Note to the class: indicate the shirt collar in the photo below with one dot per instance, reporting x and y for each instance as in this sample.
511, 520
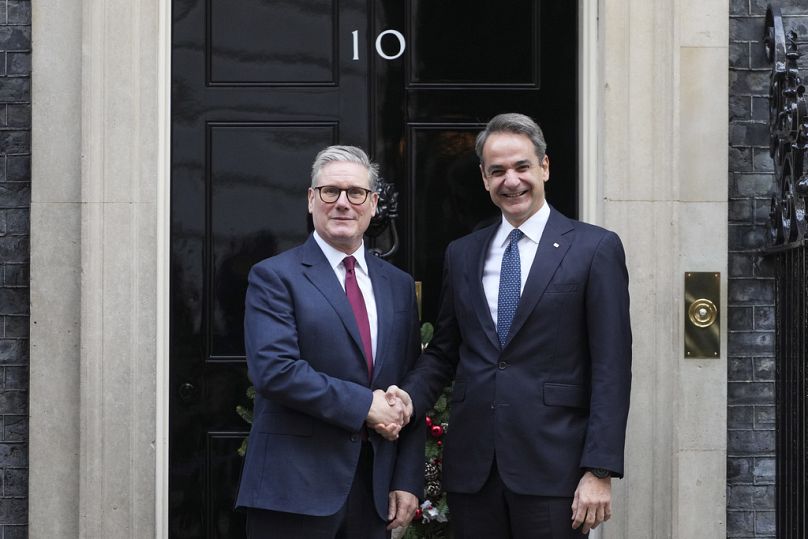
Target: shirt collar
532, 228
335, 257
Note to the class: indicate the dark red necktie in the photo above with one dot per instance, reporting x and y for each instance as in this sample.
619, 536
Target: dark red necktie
359, 310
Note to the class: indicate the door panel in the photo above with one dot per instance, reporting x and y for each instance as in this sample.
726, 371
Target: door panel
446, 184
255, 206
258, 87
273, 43
453, 40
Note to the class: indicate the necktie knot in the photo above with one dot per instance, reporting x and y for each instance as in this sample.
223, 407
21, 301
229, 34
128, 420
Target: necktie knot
515, 236
349, 262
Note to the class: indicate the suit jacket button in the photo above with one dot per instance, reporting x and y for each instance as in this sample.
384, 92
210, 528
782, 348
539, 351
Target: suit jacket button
502, 365
354, 437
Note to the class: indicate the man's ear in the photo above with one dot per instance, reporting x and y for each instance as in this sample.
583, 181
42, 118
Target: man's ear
485, 180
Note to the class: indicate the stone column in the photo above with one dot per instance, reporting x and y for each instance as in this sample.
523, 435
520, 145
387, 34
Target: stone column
94, 269
55, 271
664, 138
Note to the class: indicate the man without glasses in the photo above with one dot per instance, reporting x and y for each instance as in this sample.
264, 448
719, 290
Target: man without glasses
534, 329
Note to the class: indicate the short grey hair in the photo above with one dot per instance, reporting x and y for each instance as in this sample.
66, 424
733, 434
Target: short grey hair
516, 123
350, 154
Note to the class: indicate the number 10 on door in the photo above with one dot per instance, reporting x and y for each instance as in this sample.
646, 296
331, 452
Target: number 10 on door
402, 45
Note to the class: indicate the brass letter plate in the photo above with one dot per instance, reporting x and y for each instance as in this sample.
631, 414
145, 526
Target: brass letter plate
702, 314
418, 288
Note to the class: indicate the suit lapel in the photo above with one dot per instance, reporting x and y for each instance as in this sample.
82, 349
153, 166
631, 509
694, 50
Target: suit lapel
475, 283
317, 270
383, 293
553, 246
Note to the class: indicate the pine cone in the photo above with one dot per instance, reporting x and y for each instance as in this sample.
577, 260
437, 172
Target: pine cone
431, 472
433, 489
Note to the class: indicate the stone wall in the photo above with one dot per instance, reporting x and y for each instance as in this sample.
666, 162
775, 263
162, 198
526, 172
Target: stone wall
15, 202
751, 340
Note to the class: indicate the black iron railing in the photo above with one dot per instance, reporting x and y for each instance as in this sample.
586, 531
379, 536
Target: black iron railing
788, 137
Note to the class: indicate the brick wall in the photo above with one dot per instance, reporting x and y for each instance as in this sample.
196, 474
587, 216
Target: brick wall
15, 201
751, 438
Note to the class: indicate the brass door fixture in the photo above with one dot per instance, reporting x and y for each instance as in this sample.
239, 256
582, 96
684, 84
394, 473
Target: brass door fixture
702, 314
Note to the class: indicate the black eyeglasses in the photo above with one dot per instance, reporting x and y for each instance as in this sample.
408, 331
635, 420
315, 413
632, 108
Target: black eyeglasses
330, 194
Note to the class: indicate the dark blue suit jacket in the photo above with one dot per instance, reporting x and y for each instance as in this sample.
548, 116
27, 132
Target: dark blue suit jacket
555, 399
304, 356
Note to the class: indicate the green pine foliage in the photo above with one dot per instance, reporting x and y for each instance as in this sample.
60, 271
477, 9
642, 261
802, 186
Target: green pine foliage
247, 415
426, 333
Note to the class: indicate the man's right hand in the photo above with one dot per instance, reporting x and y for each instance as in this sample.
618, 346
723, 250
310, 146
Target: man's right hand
394, 392
592, 503
399, 399
387, 416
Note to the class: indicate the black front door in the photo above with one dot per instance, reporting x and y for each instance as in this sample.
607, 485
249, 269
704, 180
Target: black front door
258, 87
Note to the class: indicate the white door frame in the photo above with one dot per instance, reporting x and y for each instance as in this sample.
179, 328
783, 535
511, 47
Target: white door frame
163, 271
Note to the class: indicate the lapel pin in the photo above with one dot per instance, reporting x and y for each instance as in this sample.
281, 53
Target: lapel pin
555, 245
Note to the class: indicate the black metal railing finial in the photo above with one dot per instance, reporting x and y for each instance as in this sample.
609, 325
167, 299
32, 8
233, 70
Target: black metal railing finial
788, 135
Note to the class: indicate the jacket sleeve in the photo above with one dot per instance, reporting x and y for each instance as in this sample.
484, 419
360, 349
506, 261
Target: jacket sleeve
409, 471
609, 333
274, 364
436, 367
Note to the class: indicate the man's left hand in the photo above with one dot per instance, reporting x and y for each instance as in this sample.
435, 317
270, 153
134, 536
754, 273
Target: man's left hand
402, 506
592, 503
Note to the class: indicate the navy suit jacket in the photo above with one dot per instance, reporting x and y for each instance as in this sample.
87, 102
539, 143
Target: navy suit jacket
305, 358
555, 398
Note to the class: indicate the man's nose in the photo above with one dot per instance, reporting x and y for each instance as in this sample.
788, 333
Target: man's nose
511, 176
342, 200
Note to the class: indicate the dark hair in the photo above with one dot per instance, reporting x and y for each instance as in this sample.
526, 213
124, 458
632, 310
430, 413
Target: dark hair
512, 122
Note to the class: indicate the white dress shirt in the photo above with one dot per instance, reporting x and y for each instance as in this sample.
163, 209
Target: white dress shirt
532, 229
335, 258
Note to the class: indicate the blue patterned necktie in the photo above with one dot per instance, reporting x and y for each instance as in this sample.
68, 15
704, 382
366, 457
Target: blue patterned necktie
510, 283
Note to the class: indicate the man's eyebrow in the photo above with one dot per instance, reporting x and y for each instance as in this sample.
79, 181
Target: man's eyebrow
520, 163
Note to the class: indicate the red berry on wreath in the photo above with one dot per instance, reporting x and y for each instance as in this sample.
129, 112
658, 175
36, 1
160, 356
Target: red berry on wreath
428, 421
436, 431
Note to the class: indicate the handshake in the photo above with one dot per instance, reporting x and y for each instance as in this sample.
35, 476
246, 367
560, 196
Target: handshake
389, 412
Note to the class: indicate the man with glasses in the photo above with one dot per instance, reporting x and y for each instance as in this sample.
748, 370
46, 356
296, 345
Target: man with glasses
326, 327
534, 329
